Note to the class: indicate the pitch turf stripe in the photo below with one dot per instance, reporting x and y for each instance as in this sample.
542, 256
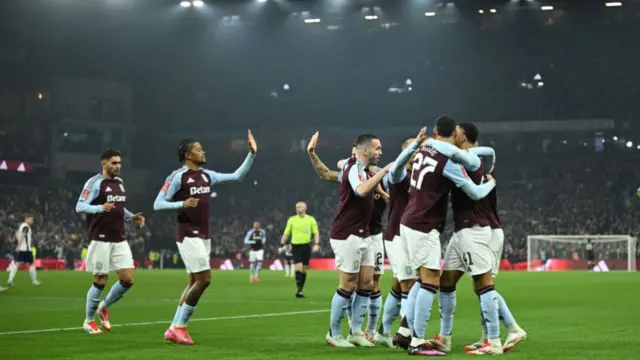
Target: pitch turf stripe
237, 317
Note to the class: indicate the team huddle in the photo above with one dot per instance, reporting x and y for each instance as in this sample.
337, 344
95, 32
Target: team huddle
417, 187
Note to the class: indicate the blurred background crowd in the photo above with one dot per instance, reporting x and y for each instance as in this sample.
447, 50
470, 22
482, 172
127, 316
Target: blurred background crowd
563, 192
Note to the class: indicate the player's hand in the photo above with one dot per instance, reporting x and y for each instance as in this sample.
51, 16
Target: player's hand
315, 248
253, 146
190, 203
311, 148
388, 167
422, 135
383, 194
281, 250
139, 219
491, 178
106, 207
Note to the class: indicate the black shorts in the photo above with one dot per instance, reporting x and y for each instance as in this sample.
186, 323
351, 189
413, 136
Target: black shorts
301, 253
287, 257
25, 257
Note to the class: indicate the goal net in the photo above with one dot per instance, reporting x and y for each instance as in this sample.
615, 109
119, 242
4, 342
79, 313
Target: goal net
569, 252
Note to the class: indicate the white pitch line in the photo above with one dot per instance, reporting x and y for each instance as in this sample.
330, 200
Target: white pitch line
237, 317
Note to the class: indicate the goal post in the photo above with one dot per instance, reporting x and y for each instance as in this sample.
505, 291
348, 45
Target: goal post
569, 252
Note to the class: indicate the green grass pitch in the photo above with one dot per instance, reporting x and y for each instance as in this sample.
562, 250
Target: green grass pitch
573, 315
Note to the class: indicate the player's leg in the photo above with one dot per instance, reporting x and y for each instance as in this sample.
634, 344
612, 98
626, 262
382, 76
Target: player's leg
288, 266
301, 266
483, 339
195, 254
252, 266
348, 281
447, 301
98, 256
407, 276
393, 302
425, 255
515, 333
454, 268
122, 263
374, 308
191, 280
259, 259
306, 259
32, 267
292, 272
285, 264
298, 264
392, 305
360, 305
497, 242
13, 270
479, 258
375, 300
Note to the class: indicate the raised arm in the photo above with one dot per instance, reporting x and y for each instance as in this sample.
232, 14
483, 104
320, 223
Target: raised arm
164, 199
90, 191
469, 160
456, 173
398, 170
238, 175
321, 169
488, 155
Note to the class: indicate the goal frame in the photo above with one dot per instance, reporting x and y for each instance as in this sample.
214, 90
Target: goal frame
577, 239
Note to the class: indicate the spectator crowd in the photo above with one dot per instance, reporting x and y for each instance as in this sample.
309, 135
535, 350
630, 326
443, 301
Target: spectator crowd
565, 190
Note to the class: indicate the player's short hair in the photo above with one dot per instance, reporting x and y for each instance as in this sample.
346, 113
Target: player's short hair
405, 141
470, 131
364, 139
109, 153
445, 125
184, 147
28, 215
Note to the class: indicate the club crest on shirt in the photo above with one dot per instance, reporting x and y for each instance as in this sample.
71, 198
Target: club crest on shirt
356, 265
409, 270
203, 261
99, 266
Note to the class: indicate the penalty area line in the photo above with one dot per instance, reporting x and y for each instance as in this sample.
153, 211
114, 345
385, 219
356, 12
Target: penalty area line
236, 317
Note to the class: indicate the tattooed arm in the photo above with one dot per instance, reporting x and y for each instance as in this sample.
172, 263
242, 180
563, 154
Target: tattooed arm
321, 169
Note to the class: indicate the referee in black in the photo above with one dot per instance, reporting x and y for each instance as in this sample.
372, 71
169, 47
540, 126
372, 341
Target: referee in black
301, 227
